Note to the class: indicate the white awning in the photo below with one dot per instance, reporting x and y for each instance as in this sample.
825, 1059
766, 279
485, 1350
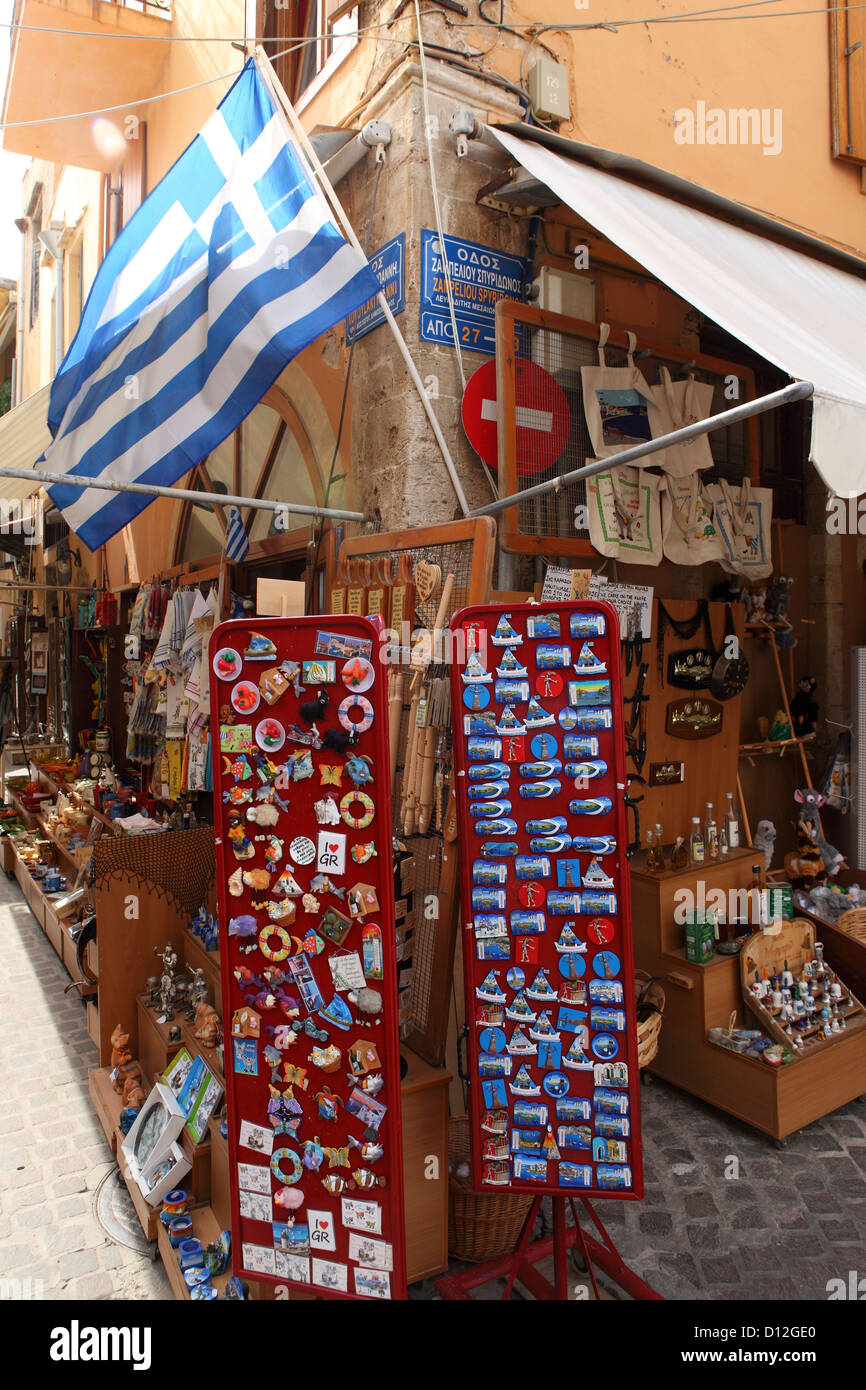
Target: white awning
803, 315
24, 435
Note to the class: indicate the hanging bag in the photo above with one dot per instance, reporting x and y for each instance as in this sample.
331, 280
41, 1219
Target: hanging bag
624, 515
619, 405
682, 403
743, 516
688, 534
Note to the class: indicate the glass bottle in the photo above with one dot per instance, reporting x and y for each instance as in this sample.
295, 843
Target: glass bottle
659, 837
723, 841
696, 842
732, 822
757, 911
679, 854
711, 833
651, 864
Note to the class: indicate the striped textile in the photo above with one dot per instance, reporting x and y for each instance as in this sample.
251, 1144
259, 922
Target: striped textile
237, 540
227, 270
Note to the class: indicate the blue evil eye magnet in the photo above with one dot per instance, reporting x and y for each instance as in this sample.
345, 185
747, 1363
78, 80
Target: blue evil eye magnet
605, 1046
551, 825
585, 694
529, 866
508, 692
549, 657
489, 809
483, 749
476, 696
580, 746
492, 1040
489, 875
488, 899
543, 625
527, 923
588, 769
544, 746
545, 767
556, 1084
501, 826
590, 806
515, 979
483, 771
541, 790
586, 625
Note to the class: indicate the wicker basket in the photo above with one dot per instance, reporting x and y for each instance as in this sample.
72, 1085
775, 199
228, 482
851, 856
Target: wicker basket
853, 922
481, 1225
648, 1032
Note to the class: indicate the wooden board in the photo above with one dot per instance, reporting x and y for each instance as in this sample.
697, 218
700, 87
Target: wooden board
425, 1167
106, 1102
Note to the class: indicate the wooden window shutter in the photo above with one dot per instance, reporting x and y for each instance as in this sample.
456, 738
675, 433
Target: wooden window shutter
848, 83
134, 174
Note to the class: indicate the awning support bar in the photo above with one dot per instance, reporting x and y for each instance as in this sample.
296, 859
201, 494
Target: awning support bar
797, 391
178, 494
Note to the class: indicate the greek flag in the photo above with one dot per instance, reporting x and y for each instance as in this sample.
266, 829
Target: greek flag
228, 269
237, 541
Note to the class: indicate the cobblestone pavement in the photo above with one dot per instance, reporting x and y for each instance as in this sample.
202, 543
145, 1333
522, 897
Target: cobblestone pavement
53, 1152
726, 1217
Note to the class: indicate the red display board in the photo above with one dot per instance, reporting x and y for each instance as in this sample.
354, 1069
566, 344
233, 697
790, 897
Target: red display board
305, 877
547, 947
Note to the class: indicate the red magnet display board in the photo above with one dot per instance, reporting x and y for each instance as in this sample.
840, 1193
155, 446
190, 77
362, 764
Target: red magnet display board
547, 946
306, 917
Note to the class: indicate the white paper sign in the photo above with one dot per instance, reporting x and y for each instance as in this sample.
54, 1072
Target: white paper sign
625, 598
321, 1227
557, 585
331, 857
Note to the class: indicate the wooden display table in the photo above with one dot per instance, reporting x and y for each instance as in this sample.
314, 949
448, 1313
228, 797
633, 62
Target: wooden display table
154, 1049
776, 1100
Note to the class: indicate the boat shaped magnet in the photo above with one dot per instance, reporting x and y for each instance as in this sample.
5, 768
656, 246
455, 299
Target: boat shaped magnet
519, 1011
567, 941
490, 988
505, 635
540, 988
519, 1044
505, 826
510, 666
591, 806
545, 767
586, 771
508, 723
589, 663
537, 717
595, 876
473, 671
540, 790
523, 1084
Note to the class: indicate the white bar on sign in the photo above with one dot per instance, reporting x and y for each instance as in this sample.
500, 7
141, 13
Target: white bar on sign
526, 417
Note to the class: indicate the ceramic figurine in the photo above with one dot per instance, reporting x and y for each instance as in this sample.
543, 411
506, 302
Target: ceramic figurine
765, 838
167, 985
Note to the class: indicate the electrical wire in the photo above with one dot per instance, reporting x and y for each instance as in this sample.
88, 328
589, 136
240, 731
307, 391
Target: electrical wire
431, 164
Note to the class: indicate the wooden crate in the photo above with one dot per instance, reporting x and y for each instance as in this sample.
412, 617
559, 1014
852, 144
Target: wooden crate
792, 944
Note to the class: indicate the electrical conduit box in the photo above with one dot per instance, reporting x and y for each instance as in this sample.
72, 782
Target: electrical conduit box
548, 90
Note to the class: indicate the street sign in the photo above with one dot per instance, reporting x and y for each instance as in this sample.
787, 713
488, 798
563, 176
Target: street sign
389, 266
480, 275
542, 411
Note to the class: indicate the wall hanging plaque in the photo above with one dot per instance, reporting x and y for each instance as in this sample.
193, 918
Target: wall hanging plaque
666, 774
693, 719
546, 1066
313, 1073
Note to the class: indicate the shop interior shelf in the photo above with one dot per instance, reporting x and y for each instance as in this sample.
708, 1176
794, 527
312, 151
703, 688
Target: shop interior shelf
205, 1228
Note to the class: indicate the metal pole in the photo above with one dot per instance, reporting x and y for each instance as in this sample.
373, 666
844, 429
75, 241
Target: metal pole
265, 69
797, 391
183, 494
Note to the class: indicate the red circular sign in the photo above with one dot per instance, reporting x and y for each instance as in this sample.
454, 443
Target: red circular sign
543, 416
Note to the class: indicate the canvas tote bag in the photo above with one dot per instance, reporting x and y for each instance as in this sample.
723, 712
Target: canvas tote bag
742, 516
688, 534
624, 515
682, 403
620, 407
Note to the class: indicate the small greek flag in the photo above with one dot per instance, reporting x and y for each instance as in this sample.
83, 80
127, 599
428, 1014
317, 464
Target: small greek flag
228, 269
237, 540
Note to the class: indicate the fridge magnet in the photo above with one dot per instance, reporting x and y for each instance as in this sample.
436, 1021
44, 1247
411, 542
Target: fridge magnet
293, 1267
260, 648
253, 1136
372, 1283
319, 672
347, 971
510, 666
526, 950
505, 635
236, 738
508, 723
327, 812
305, 980
482, 771
600, 931
270, 735
246, 1058
519, 1044
548, 684
246, 1023
543, 625
338, 1013
252, 1177
595, 876
514, 748
321, 1230
259, 1259
331, 852
585, 771
568, 873
550, 657
571, 966
606, 965
227, 664
363, 853
506, 692
363, 1058
371, 951
605, 1046
362, 899
556, 1084
339, 644
335, 925
245, 697
473, 672
476, 697
331, 774
589, 663
348, 706
243, 926
357, 811
522, 1085
541, 988
587, 625
574, 1175
273, 684
255, 1206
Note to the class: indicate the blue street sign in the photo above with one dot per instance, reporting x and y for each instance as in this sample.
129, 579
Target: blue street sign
389, 266
480, 275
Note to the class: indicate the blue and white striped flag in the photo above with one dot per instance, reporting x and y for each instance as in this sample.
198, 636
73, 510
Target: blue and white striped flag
237, 540
228, 269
